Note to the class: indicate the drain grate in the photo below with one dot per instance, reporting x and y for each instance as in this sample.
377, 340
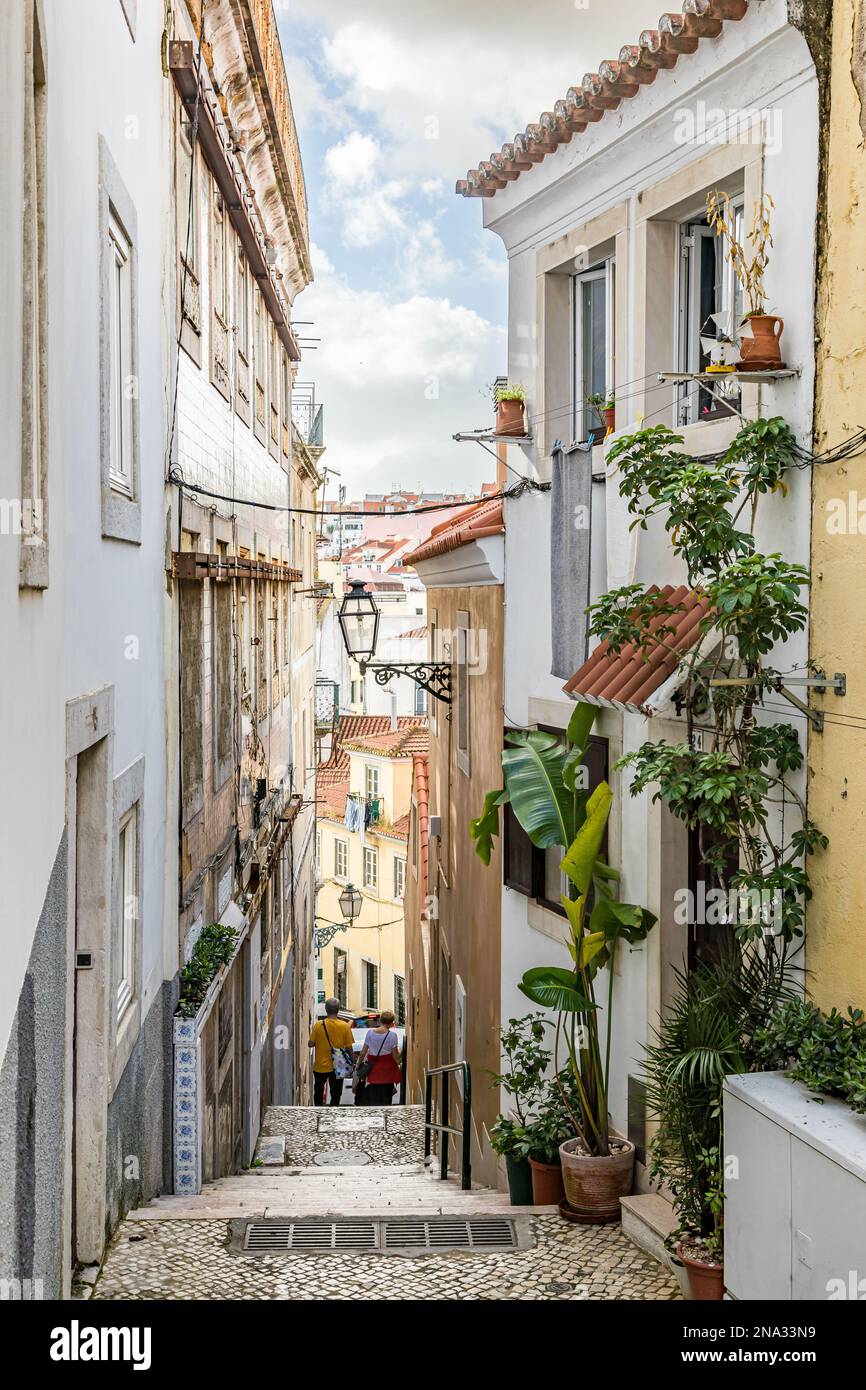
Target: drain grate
397, 1235
311, 1235
448, 1233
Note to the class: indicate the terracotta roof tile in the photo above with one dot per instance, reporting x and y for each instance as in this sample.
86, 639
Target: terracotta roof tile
484, 519
395, 743
357, 726
626, 679
603, 91
421, 793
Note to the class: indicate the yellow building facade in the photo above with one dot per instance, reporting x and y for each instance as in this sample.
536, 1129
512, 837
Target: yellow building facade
836, 929
363, 966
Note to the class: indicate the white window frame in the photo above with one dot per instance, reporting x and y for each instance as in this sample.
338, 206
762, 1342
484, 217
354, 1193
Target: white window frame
693, 232
126, 909
606, 271
341, 994
401, 980
368, 966
372, 780
399, 878
371, 861
121, 454
341, 856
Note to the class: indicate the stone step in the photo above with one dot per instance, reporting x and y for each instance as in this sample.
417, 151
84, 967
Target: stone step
647, 1219
317, 1191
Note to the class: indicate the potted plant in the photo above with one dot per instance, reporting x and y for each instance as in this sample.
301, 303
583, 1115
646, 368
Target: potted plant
509, 1139
550, 1128
523, 1078
544, 786
760, 332
711, 1030
510, 408
604, 405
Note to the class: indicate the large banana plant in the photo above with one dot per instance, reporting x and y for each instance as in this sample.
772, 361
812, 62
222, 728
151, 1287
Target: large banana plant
546, 792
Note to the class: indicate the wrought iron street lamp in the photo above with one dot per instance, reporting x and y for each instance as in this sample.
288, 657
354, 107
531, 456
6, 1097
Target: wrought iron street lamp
350, 901
359, 621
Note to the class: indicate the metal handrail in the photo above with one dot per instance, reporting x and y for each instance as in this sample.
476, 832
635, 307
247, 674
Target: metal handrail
446, 1129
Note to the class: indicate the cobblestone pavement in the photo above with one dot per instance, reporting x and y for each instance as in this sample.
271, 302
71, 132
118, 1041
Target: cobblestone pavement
388, 1135
190, 1257
191, 1260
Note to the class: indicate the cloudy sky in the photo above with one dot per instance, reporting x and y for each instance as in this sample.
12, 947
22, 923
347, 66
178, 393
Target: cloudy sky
394, 100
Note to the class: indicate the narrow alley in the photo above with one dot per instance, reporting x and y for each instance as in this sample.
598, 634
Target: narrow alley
325, 1182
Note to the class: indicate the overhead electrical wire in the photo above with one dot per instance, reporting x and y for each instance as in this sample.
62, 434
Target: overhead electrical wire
517, 489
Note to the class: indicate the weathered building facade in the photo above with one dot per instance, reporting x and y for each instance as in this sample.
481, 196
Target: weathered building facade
240, 502
837, 784
363, 824
452, 905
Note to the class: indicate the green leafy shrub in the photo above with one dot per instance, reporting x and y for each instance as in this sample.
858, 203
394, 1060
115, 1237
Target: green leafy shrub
214, 949
512, 391
826, 1052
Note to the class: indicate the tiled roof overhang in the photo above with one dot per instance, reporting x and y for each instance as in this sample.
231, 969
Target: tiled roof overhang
354, 727
485, 519
627, 679
602, 91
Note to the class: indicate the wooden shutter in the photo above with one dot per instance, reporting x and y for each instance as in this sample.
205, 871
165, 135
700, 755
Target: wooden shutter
519, 855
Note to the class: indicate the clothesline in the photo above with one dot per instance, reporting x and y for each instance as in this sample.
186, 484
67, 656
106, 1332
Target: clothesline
362, 811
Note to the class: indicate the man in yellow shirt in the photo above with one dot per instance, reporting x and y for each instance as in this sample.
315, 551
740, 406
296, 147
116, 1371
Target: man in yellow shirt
329, 1033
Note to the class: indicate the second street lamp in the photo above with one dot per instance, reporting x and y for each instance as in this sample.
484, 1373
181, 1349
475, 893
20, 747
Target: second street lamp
359, 623
350, 901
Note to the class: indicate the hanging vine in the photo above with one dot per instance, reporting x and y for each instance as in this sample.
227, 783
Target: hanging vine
752, 602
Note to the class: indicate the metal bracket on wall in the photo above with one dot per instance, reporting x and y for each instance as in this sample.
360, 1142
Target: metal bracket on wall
432, 676
819, 682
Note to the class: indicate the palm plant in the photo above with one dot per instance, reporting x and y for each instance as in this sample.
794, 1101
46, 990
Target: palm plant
710, 1031
544, 783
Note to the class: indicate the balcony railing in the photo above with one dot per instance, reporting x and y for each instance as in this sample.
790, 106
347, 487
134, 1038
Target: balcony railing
308, 414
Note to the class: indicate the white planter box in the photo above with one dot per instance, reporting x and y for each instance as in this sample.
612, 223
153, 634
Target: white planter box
795, 1189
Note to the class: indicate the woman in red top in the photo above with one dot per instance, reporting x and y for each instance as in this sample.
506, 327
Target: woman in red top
383, 1048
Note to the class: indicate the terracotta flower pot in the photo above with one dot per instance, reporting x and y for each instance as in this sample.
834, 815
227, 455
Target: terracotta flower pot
548, 1189
761, 351
609, 414
706, 1282
509, 417
593, 1186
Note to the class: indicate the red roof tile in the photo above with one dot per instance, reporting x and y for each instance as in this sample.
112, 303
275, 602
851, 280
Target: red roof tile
421, 793
603, 91
396, 743
626, 679
357, 726
484, 519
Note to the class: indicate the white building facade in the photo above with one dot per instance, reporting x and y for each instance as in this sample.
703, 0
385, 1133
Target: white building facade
89, 956
612, 271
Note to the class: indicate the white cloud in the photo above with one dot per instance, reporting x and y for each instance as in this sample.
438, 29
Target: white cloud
399, 377
353, 161
322, 263
374, 212
446, 81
